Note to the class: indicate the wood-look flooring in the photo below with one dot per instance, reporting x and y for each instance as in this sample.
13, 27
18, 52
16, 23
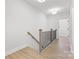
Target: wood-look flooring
53, 51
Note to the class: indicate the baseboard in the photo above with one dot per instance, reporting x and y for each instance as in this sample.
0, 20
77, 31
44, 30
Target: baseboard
15, 49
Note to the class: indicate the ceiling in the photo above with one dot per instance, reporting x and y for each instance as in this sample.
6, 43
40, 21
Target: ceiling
48, 4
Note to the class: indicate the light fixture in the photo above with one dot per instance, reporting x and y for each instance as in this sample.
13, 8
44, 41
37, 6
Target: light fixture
41, 1
54, 10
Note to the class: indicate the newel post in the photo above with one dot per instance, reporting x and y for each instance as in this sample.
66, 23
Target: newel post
40, 46
51, 35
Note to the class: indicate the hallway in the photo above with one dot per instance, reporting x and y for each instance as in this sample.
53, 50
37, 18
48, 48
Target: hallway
53, 51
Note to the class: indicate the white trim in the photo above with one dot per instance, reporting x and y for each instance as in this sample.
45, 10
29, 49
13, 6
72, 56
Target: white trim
15, 49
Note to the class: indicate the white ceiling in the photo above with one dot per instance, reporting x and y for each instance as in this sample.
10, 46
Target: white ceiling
48, 4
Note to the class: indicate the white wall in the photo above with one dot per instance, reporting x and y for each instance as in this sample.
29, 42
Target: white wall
21, 18
52, 22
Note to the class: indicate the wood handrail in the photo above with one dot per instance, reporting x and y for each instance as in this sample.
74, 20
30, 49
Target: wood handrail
33, 37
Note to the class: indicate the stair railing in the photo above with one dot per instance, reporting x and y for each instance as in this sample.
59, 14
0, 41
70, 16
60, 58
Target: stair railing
40, 40
33, 37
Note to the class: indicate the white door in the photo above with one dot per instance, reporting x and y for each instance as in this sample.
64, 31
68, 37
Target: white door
63, 28
64, 34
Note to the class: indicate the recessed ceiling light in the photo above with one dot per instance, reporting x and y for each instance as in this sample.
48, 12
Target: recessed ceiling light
41, 1
54, 10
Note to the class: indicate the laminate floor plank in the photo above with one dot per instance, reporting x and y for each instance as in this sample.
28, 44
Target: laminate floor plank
53, 51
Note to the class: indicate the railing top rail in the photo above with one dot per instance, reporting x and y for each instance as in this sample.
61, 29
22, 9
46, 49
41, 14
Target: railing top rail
33, 37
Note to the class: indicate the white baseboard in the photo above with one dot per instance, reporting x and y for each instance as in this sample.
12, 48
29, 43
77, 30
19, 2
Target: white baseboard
15, 49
